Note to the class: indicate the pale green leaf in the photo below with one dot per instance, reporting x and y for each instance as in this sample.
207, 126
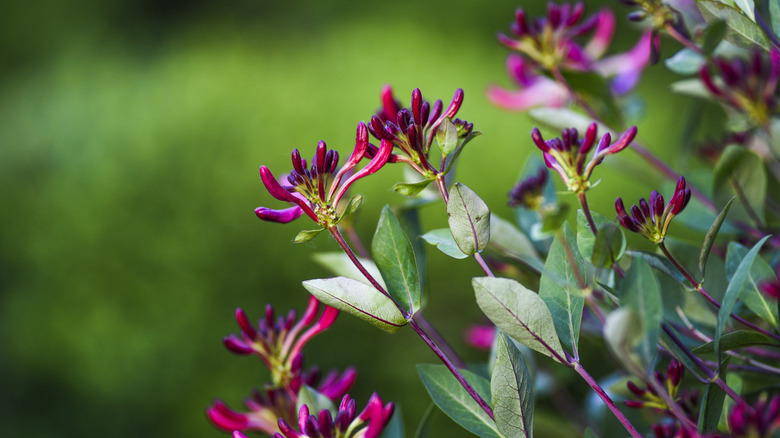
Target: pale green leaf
469, 219
685, 62
394, 256
511, 242
339, 264
511, 390
307, 235
442, 239
447, 136
358, 299
742, 31
450, 396
642, 294
736, 339
314, 400
520, 313
750, 295
740, 174
411, 189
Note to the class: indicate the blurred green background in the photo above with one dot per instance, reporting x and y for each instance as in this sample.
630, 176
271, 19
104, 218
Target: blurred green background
130, 137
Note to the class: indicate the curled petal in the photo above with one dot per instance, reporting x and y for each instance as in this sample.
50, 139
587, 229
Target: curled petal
225, 418
278, 192
237, 346
246, 327
624, 140
590, 137
605, 28
374, 165
541, 92
536, 136
281, 216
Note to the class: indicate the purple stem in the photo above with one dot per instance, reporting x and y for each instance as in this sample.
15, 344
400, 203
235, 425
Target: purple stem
607, 401
709, 298
454, 370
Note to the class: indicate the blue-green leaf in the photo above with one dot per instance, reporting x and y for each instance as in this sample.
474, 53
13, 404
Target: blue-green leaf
358, 299
559, 287
341, 265
442, 239
750, 295
748, 8
685, 62
520, 313
609, 246
642, 294
741, 276
742, 31
511, 390
469, 219
450, 396
709, 238
395, 427
511, 242
394, 256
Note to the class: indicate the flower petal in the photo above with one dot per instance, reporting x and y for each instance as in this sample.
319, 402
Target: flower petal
543, 92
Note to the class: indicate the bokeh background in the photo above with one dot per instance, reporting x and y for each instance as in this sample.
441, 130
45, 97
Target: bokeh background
130, 137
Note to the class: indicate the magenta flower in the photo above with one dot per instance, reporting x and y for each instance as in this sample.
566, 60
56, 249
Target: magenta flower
317, 189
480, 336
748, 87
761, 420
535, 89
567, 155
368, 424
413, 130
651, 219
265, 409
771, 288
278, 342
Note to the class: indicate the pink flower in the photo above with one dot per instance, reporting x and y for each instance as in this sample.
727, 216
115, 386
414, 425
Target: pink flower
481, 336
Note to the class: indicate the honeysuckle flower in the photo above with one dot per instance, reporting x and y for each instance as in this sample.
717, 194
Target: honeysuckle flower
264, 409
761, 420
567, 154
317, 189
368, 424
535, 89
651, 219
747, 86
279, 342
648, 397
413, 130
480, 336
529, 191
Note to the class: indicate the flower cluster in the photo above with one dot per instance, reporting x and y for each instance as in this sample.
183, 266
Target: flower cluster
748, 87
551, 43
317, 189
528, 192
413, 130
567, 154
367, 424
649, 397
761, 420
651, 219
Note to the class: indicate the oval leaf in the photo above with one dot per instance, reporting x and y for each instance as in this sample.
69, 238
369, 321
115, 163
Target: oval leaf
307, 235
511, 391
394, 256
511, 242
469, 219
560, 290
314, 400
454, 401
442, 238
359, 299
411, 189
520, 313
642, 294
685, 62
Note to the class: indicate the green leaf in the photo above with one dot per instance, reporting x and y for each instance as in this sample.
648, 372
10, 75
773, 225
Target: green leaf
442, 239
585, 237
709, 238
454, 401
685, 62
424, 428
715, 32
552, 220
358, 299
314, 400
642, 294
711, 408
411, 189
742, 31
622, 332
559, 119
609, 246
595, 91
748, 8
740, 173
520, 313
511, 390
734, 381
511, 242
469, 219
354, 203
395, 427
750, 295
691, 87
394, 256
560, 289
774, 12
307, 235
735, 340
589, 433
732, 293
447, 136
340, 264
